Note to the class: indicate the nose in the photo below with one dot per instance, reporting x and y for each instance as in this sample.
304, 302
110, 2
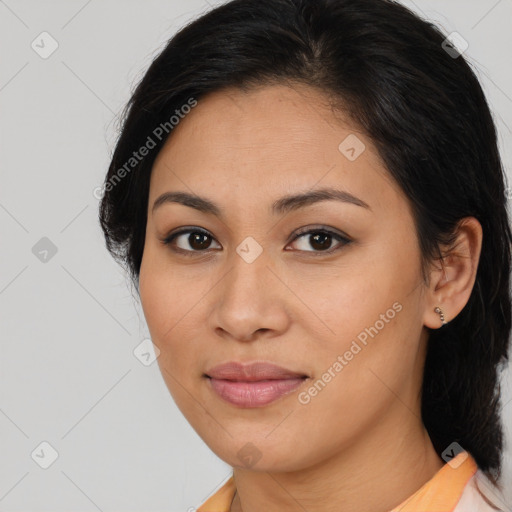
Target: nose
249, 301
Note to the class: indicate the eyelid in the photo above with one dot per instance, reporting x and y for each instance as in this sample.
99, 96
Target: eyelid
317, 228
168, 239
341, 237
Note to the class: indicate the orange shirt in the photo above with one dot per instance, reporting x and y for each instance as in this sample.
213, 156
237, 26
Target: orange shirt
456, 487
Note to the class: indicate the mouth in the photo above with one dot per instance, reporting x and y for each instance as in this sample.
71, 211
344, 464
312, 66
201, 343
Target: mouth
251, 372
257, 393
253, 385
255, 381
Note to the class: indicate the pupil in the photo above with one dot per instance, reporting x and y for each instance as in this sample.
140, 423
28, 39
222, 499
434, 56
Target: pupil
323, 237
195, 237
318, 241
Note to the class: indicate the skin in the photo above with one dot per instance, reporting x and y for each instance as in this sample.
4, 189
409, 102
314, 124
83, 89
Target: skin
359, 444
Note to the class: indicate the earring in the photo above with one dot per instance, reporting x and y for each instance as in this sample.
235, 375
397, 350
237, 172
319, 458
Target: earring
438, 310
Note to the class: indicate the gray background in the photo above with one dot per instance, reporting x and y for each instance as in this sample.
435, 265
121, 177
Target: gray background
69, 324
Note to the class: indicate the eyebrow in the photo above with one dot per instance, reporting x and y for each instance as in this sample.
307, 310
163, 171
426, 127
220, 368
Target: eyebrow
283, 205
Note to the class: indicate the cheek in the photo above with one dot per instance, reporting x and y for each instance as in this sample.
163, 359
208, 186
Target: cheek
161, 292
165, 311
160, 312
169, 303
150, 290
350, 299
369, 315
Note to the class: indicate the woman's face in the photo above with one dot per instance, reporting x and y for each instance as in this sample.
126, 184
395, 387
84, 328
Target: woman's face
343, 306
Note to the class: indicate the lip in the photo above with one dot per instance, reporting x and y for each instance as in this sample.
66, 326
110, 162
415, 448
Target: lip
251, 372
253, 385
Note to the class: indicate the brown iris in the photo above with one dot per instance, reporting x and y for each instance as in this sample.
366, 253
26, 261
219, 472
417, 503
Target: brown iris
202, 240
318, 240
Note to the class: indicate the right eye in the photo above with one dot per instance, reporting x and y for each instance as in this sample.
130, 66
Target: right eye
197, 239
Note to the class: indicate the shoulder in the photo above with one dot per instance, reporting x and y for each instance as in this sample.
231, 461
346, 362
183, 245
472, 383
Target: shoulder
221, 500
481, 495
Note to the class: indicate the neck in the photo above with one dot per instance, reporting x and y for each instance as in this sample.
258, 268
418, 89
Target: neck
368, 475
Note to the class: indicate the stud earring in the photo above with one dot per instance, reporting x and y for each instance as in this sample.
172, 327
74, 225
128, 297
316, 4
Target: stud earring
438, 310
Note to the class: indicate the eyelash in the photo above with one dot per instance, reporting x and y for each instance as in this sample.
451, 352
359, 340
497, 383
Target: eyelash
300, 233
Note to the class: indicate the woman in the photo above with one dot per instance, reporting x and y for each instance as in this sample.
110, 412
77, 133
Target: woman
309, 198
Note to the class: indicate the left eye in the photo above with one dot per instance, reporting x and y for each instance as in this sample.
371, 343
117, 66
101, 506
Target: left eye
321, 240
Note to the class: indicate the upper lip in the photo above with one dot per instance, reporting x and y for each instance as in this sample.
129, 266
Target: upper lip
250, 372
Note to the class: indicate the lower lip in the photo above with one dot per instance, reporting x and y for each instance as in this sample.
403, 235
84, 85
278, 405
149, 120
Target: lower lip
254, 394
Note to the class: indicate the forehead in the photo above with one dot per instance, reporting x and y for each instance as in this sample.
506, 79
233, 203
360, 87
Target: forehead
266, 142
263, 118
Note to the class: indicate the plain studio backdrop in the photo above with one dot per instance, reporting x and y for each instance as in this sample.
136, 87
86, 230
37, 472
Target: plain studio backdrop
84, 423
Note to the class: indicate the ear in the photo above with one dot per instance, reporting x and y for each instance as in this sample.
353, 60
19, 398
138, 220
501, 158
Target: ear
452, 278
